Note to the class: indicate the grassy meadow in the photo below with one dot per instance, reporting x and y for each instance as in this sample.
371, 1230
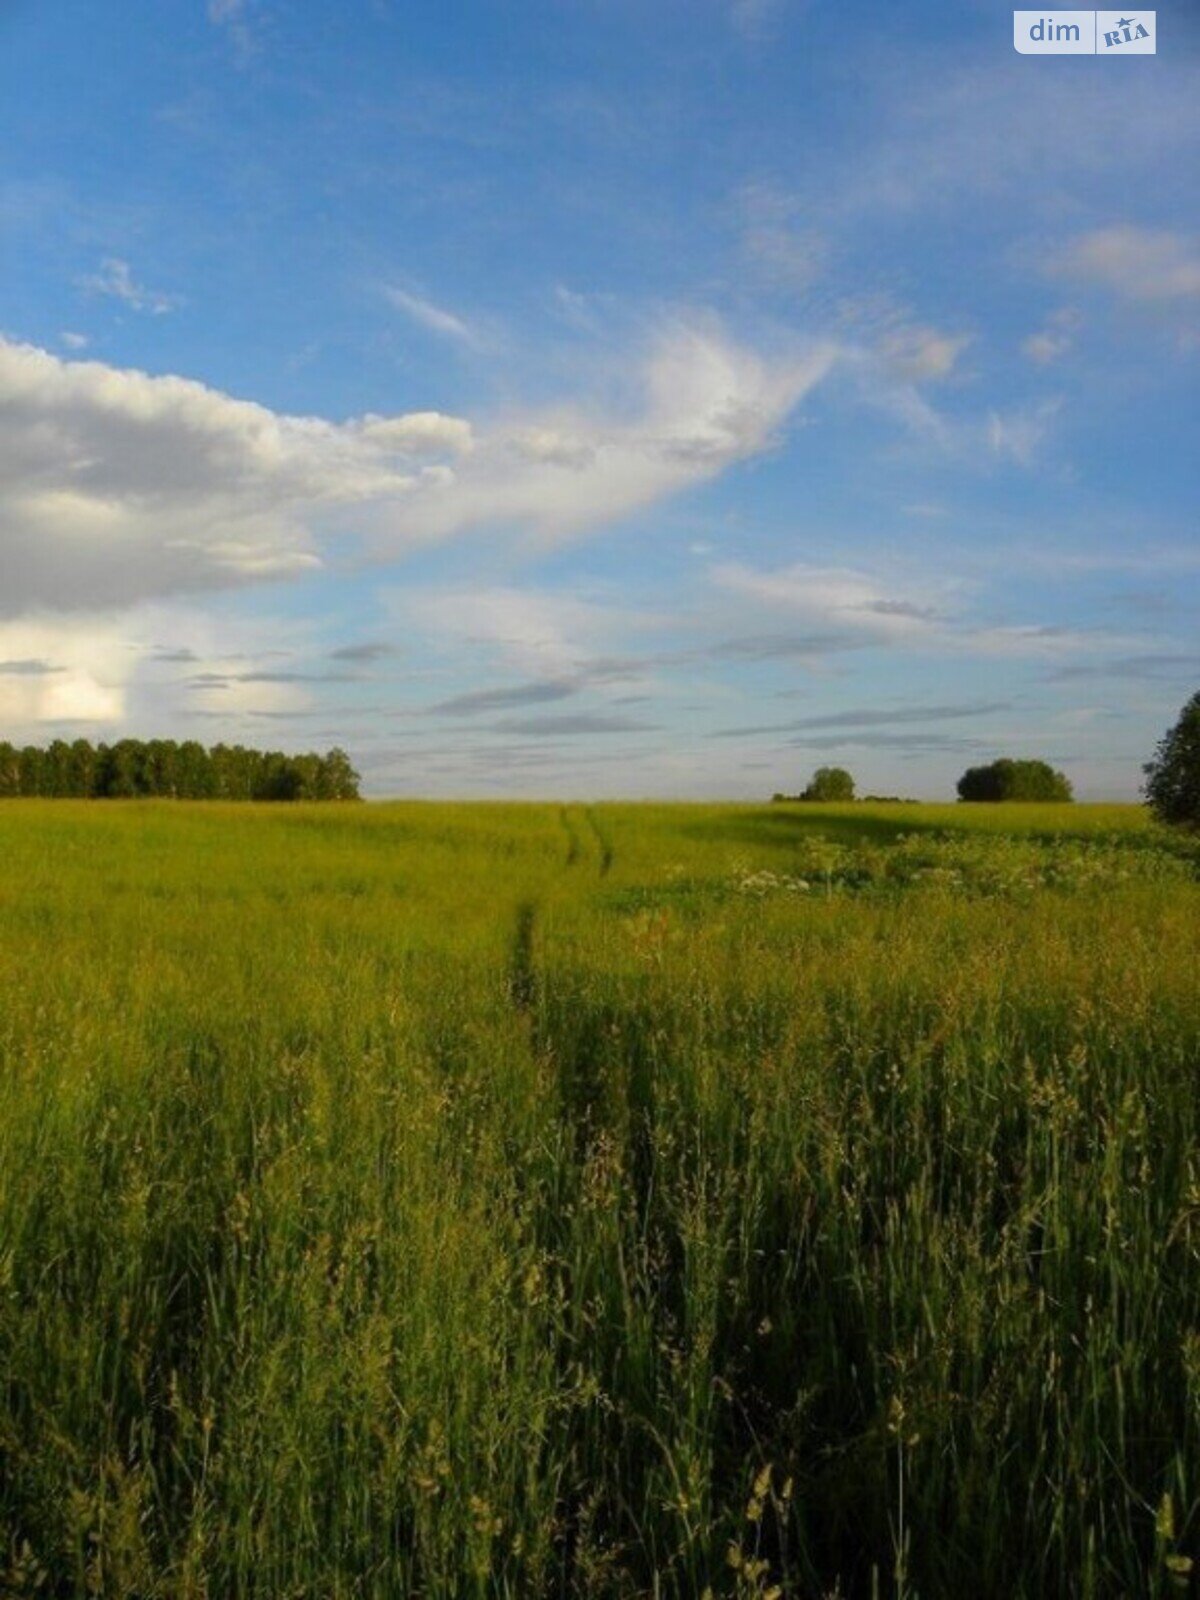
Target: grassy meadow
613, 1201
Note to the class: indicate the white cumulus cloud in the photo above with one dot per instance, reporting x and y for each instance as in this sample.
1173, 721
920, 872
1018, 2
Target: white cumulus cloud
59, 671
117, 486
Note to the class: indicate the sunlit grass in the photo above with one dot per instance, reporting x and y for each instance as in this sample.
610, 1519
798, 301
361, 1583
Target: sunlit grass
611, 1201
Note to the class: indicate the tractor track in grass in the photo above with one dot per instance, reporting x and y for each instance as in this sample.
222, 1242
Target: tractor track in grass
603, 843
522, 967
522, 976
574, 843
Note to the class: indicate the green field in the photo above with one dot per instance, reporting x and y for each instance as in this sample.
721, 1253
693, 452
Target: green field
552, 1200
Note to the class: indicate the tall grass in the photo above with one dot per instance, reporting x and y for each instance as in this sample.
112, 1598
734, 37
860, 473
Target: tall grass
614, 1201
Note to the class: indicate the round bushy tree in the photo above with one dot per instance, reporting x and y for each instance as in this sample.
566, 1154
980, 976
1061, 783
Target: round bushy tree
830, 783
1014, 780
1173, 777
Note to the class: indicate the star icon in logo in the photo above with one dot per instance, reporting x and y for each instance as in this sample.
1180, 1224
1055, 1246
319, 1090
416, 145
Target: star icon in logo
1126, 22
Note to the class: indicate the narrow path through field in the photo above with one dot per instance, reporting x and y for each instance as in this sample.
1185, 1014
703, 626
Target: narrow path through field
522, 980
574, 845
602, 840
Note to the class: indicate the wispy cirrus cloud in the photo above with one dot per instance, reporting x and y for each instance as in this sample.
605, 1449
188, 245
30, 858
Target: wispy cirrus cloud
931, 616
550, 635
855, 602
942, 134
782, 645
1150, 265
695, 404
903, 744
1153, 666
115, 280
365, 654
573, 725
778, 245
235, 18
222, 680
1055, 337
881, 717
896, 362
432, 317
479, 701
916, 354
1018, 434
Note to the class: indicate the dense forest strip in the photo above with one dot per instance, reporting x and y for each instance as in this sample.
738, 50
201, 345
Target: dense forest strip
165, 769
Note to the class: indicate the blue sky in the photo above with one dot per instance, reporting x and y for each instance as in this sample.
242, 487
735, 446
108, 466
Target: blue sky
599, 398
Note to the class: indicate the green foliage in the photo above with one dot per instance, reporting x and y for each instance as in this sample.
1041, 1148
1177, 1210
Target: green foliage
830, 784
1014, 780
530, 1201
1173, 776
160, 768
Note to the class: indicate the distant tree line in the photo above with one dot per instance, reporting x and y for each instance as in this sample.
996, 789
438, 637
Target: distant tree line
1005, 779
144, 768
